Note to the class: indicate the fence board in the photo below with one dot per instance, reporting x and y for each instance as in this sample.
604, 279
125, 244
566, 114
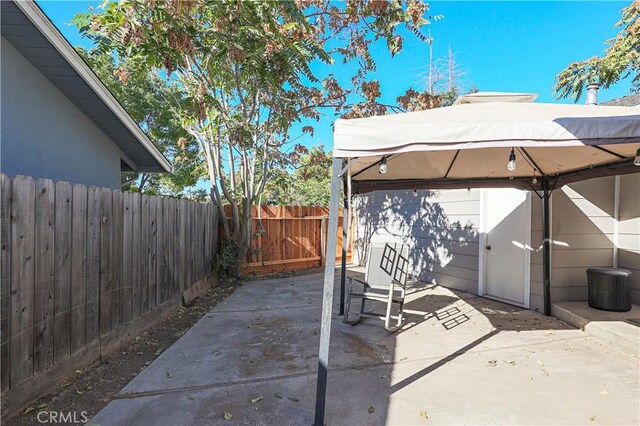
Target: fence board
135, 300
106, 277
44, 275
5, 277
153, 252
62, 297
175, 247
78, 267
145, 227
117, 314
22, 279
127, 256
162, 255
184, 244
94, 229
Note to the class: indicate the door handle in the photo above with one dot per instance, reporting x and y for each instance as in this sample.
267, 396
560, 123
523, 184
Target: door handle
488, 247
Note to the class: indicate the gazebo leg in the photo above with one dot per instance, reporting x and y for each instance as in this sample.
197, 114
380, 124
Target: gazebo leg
546, 247
327, 293
346, 219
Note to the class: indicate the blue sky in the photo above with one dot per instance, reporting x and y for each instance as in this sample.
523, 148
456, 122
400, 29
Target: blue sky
502, 46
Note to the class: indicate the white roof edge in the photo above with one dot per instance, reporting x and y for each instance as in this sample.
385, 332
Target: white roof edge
53, 35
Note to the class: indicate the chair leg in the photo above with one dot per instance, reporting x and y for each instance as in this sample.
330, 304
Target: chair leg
345, 318
401, 309
387, 317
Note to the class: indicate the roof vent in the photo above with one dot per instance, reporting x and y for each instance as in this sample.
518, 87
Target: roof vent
592, 94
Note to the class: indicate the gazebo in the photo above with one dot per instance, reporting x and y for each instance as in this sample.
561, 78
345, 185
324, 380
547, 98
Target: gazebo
478, 144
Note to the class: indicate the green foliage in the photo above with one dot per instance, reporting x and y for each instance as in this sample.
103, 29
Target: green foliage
307, 185
150, 102
621, 60
242, 71
228, 260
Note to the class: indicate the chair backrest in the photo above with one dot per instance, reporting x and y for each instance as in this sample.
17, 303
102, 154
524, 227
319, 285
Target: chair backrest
401, 270
381, 264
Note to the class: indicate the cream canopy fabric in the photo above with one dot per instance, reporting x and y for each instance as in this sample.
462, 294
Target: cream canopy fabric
469, 144
483, 97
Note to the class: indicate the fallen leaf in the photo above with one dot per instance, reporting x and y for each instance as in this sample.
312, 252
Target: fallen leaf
28, 410
403, 359
254, 400
158, 352
492, 363
169, 374
191, 398
277, 395
290, 398
592, 418
41, 406
604, 392
371, 409
529, 378
227, 415
423, 414
79, 392
539, 363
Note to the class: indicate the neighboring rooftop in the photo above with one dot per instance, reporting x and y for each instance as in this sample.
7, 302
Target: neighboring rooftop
29, 30
630, 100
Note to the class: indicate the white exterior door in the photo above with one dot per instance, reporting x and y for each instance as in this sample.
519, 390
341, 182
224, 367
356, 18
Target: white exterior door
506, 249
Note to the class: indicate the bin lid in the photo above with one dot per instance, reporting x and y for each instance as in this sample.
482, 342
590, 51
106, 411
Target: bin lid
610, 271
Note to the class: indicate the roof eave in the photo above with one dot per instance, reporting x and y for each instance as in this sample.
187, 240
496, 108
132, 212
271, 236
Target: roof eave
57, 40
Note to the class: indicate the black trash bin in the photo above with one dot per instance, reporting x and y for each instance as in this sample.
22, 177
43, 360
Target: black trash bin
609, 289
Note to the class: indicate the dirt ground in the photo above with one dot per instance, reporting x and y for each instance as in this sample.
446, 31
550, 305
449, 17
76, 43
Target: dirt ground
91, 389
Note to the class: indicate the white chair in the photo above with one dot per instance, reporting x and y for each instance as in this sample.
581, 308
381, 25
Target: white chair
384, 282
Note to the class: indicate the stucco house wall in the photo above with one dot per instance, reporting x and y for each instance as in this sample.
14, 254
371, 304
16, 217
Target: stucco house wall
45, 135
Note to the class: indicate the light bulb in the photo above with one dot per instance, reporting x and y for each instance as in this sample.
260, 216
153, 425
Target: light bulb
511, 165
415, 192
534, 180
636, 160
383, 166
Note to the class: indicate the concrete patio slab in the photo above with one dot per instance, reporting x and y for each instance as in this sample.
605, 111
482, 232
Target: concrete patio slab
459, 359
613, 327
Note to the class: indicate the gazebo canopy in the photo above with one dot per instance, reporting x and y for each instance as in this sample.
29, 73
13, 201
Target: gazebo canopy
469, 145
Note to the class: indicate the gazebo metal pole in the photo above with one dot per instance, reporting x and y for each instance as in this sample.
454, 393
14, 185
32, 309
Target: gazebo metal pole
327, 293
345, 238
546, 247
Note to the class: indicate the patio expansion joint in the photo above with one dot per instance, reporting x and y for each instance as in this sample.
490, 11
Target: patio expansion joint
268, 309
158, 392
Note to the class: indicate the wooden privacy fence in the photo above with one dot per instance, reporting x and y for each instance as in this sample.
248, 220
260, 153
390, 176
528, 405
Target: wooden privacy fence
290, 238
85, 268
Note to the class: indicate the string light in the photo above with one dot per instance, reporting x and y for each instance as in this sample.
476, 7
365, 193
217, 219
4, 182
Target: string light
383, 166
511, 165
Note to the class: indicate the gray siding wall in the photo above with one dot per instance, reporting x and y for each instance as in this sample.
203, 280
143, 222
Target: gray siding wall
536, 300
45, 135
583, 235
440, 227
629, 231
